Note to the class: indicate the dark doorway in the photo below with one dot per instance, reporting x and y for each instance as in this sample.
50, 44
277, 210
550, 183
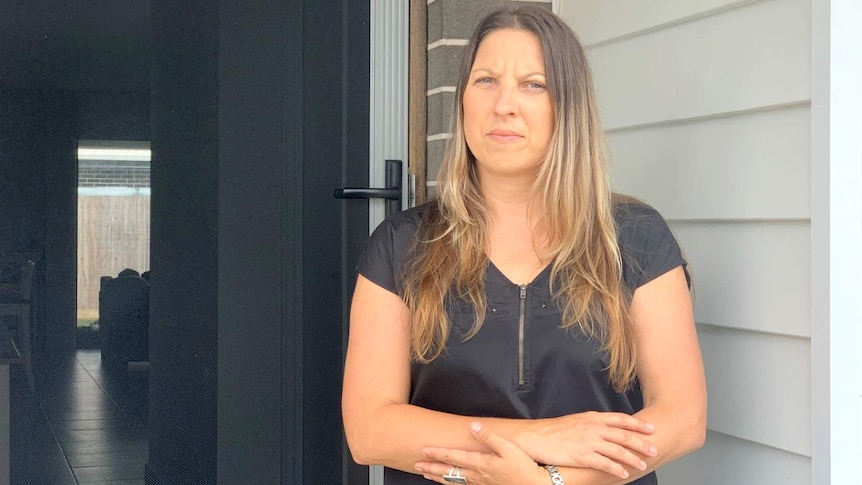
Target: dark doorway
260, 110
256, 112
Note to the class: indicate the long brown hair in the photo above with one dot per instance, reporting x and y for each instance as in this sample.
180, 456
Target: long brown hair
572, 186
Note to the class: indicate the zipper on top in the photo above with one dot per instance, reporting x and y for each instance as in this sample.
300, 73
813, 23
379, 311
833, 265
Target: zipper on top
522, 296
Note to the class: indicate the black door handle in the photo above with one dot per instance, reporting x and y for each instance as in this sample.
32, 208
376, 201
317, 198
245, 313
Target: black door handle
392, 192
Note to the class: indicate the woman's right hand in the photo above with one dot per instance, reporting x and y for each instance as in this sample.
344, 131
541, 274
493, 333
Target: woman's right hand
599, 440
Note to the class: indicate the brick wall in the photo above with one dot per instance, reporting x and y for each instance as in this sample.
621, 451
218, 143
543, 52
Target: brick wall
113, 174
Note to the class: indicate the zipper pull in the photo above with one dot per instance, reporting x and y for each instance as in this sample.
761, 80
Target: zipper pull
523, 294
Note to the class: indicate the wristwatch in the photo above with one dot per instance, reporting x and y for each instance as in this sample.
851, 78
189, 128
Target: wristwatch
554, 472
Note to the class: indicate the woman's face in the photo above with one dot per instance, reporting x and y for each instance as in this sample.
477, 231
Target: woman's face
508, 116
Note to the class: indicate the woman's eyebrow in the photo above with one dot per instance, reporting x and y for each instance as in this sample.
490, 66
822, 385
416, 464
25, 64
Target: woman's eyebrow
530, 74
483, 70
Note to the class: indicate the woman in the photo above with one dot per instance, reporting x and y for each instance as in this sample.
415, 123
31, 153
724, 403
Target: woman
527, 326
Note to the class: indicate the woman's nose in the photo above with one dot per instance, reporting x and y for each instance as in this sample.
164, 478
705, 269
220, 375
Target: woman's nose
506, 102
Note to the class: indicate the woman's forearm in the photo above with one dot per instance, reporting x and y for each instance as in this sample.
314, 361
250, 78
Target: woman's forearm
678, 432
393, 435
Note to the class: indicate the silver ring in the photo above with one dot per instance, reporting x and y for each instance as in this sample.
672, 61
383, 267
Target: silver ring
454, 476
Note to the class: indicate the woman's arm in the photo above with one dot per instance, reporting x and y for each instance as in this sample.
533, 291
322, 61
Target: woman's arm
382, 428
670, 371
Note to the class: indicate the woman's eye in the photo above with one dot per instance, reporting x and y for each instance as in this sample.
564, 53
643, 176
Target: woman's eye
535, 85
484, 80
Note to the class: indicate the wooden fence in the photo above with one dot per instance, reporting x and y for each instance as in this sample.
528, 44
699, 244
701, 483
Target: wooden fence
113, 234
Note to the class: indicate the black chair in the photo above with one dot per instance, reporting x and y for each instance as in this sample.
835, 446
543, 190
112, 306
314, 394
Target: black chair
15, 299
124, 317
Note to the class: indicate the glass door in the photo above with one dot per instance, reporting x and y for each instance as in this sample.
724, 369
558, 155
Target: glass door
113, 223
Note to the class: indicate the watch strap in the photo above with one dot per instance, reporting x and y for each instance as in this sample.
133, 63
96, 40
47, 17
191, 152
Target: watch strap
554, 472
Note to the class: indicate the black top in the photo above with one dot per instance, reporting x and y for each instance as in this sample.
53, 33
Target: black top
555, 371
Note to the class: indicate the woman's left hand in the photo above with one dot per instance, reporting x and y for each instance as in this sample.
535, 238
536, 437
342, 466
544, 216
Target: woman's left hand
506, 465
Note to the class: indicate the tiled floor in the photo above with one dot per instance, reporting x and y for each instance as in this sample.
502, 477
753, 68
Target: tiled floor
82, 426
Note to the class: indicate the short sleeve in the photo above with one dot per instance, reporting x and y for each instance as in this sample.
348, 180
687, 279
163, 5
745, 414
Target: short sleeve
385, 251
648, 246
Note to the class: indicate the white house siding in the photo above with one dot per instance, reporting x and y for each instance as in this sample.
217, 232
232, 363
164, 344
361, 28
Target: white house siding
707, 108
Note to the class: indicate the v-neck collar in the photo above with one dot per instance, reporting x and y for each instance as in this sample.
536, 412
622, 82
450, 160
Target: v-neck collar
539, 278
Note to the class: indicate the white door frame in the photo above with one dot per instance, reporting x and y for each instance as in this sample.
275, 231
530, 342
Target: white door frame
389, 82
836, 239
388, 128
